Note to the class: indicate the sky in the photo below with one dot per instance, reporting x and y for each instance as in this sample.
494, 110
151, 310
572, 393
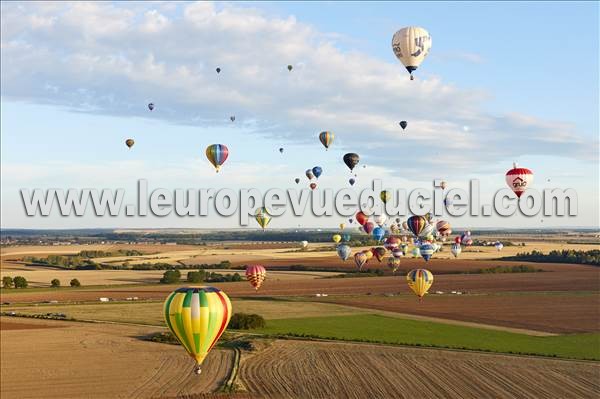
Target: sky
504, 82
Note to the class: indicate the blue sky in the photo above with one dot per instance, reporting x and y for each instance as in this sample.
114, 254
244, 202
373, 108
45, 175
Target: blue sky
76, 78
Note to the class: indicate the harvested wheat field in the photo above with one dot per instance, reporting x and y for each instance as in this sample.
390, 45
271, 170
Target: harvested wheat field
100, 361
299, 369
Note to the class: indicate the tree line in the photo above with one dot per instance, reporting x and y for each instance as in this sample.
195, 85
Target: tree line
591, 257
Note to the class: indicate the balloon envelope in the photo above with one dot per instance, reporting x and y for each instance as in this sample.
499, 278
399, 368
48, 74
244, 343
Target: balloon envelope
378, 233
197, 316
317, 171
368, 227
344, 251
217, 155
129, 143
326, 138
360, 259
351, 160
419, 280
403, 124
519, 179
256, 274
416, 224
361, 218
263, 217
411, 45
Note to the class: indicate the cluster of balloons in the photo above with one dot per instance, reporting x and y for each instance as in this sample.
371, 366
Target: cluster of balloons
463, 239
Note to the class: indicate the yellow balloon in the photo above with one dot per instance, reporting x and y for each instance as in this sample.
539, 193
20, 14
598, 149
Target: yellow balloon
336, 238
369, 255
342, 226
263, 217
385, 196
197, 316
419, 280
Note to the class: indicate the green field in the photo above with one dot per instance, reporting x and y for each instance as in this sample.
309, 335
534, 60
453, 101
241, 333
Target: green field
391, 330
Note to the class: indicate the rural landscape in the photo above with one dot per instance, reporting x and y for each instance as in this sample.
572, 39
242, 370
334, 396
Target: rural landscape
490, 316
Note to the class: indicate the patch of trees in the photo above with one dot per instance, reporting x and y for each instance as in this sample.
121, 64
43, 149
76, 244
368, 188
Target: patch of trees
16, 282
75, 283
591, 257
201, 276
244, 321
506, 269
55, 283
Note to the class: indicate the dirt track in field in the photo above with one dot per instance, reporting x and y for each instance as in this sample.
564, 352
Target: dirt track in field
300, 369
100, 361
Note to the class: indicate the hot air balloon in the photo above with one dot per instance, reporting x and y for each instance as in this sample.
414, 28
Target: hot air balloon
443, 185
391, 243
426, 251
197, 316
289, 67
416, 224
151, 106
297, 180
129, 143
380, 219
456, 249
263, 217
419, 281
336, 238
352, 180
393, 263
326, 139
403, 124
411, 45
304, 244
519, 179
351, 160
217, 155
368, 227
350, 220
444, 228
369, 254
256, 274
378, 252
342, 226
360, 259
404, 247
309, 174
281, 150
397, 253
457, 240
317, 171
218, 70
385, 196
378, 233
344, 251
499, 245
415, 252
313, 186
467, 242
232, 118
361, 218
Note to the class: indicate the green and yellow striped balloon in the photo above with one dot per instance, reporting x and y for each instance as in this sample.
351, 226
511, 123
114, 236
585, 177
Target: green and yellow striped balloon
197, 316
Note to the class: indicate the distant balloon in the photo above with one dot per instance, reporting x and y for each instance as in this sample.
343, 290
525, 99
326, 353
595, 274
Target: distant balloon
393, 263
289, 67
344, 251
313, 186
346, 237
256, 274
456, 249
499, 245
385, 196
397, 253
379, 253
232, 118
317, 171
360, 259
519, 179
351, 160
368, 227
263, 217
443, 185
380, 219
457, 240
378, 233
426, 251
151, 106
309, 174
336, 238
281, 150
403, 124
129, 143
304, 244
218, 70
443, 228
352, 181
419, 281
326, 139
416, 224
361, 218
297, 180
411, 45
416, 252
391, 243
217, 155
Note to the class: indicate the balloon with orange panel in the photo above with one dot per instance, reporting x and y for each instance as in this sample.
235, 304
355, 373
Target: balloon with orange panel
256, 274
